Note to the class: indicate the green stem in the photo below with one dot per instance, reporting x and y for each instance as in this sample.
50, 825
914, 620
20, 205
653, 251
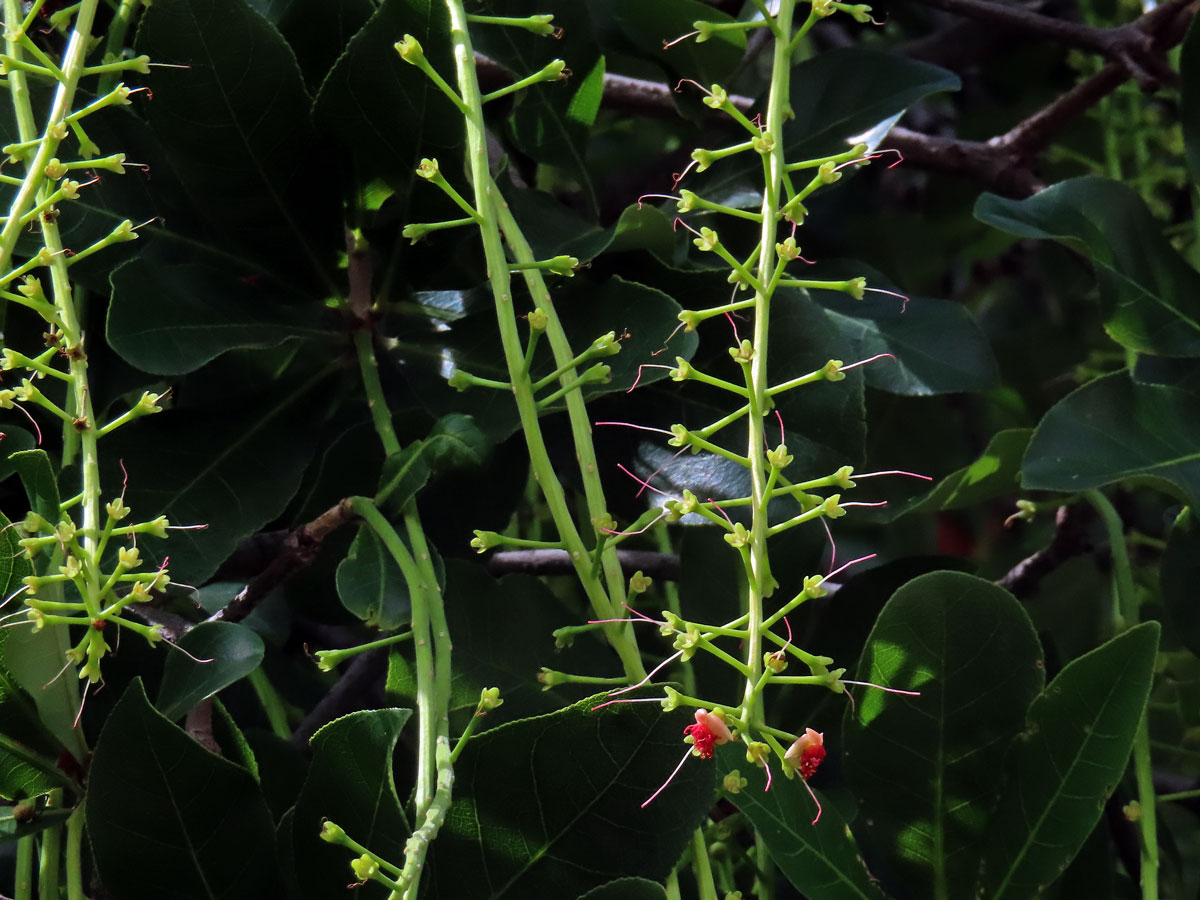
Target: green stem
23, 880
51, 857
376, 402
496, 216
701, 867
1179, 795
75, 854
1127, 616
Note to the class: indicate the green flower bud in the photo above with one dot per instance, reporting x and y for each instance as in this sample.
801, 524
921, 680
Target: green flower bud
410, 49
606, 345
639, 583
705, 29
364, 868
831, 507
428, 169
682, 369
843, 477
758, 753
764, 143
690, 319
128, 557
832, 370
687, 199
332, 832
704, 158
708, 239
117, 510
484, 540
563, 265
779, 458
31, 288
717, 98
733, 783
538, 320
71, 567
739, 537
788, 249
158, 527
489, 699
670, 700
680, 438
55, 169
812, 586
743, 354
776, 661
856, 287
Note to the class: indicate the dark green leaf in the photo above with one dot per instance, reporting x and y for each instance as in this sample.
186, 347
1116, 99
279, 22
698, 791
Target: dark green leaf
1151, 297
386, 111
41, 486
318, 32
211, 312
649, 25
924, 768
371, 585
350, 782
1067, 762
231, 473
1179, 575
627, 889
551, 806
256, 176
551, 122
15, 440
1112, 429
937, 345
404, 474
821, 860
151, 785
227, 652
1189, 111
33, 661
552, 228
994, 474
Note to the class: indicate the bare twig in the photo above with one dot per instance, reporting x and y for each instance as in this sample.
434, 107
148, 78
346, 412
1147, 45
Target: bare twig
557, 562
1130, 46
299, 549
1070, 540
358, 688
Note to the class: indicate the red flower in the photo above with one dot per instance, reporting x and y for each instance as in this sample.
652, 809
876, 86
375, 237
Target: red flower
806, 753
710, 729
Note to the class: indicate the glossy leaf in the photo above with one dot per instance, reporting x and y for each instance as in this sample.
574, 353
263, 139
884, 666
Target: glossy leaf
994, 474
1067, 762
1113, 429
371, 585
387, 112
550, 122
649, 25
150, 784
232, 473
924, 768
937, 345
1151, 297
541, 805
211, 312
228, 652
822, 861
1179, 575
252, 177
350, 782
41, 486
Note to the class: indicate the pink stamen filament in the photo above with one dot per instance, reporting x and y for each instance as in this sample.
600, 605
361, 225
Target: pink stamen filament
863, 503
832, 545
863, 362
628, 700
641, 615
669, 779
782, 436
703, 89
677, 177
879, 153
670, 659
852, 562
652, 475
904, 298
808, 788
644, 484
717, 507
662, 196
895, 472
679, 221
642, 427
634, 621
882, 688
667, 45
733, 324
664, 346
638, 380
653, 522
767, 766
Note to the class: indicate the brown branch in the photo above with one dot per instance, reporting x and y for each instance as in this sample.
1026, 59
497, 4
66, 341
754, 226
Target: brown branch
1005, 163
1070, 540
299, 549
1130, 46
557, 562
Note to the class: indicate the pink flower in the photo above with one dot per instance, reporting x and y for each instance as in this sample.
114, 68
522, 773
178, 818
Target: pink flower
806, 753
710, 729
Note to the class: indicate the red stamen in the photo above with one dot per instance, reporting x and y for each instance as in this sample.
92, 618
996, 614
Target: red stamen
644, 484
895, 472
640, 530
863, 362
667, 45
668, 781
670, 659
